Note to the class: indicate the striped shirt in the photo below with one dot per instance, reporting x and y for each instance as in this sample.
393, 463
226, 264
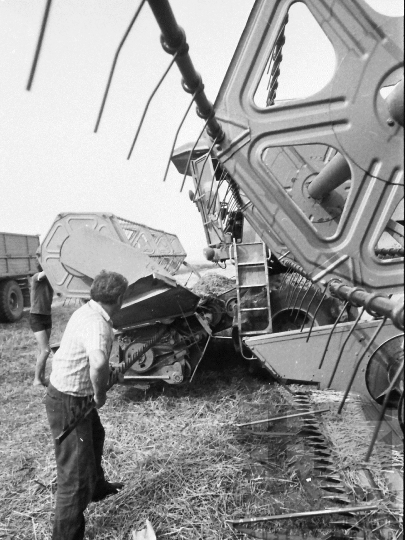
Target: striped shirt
88, 329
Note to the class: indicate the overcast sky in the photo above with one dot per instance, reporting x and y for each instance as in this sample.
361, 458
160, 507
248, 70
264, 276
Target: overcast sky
50, 159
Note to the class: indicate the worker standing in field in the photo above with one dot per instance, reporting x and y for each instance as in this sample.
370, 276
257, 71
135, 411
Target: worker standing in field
41, 320
80, 369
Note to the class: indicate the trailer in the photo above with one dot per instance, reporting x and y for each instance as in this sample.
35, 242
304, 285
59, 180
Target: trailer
17, 265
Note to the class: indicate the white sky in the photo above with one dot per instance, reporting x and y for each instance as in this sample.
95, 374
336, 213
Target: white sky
50, 159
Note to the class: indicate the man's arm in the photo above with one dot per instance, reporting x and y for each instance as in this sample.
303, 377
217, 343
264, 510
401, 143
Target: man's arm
99, 375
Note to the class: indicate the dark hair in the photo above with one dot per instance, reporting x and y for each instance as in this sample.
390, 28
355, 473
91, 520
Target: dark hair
107, 287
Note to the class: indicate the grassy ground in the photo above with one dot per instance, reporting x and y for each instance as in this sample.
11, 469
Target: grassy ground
184, 465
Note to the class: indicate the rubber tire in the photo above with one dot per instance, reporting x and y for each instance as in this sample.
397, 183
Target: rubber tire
11, 301
282, 301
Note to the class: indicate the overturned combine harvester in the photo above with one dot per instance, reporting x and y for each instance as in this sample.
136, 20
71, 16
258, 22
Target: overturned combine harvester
311, 188
160, 334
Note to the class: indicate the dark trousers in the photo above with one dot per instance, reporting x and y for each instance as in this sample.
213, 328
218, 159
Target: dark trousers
78, 461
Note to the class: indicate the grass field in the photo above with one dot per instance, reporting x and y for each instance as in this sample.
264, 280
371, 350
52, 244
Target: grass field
184, 465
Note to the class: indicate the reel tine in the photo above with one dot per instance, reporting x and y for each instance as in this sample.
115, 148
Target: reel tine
356, 367
107, 89
39, 44
331, 332
316, 312
307, 311
162, 78
176, 135
343, 346
202, 168
302, 299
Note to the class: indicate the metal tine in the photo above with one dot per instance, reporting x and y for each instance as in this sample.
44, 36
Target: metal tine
177, 133
299, 286
316, 312
191, 153
306, 313
286, 274
330, 334
356, 367
39, 44
162, 78
202, 168
222, 179
293, 287
343, 346
302, 299
115, 63
382, 413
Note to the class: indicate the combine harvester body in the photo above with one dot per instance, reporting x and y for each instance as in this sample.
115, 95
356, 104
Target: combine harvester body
307, 194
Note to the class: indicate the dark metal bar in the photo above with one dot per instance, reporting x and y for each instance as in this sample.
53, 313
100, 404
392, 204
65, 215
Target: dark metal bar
284, 417
162, 78
326, 512
39, 44
344, 344
316, 313
334, 174
191, 155
302, 300
173, 40
115, 63
356, 367
382, 413
175, 137
375, 304
307, 311
330, 334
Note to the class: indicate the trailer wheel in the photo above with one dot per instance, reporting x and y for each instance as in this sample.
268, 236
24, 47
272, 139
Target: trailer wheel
11, 301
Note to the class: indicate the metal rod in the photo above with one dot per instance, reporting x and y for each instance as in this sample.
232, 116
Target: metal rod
307, 311
302, 300
334, 174
330, 334
284, 255
382, 413
176, 135
173, 39
39, 44
191, 154
274, 418
162, 78
325, 512
357, 365
202, 169
316, 313
375, 304
344, 344
201, 357
107, 89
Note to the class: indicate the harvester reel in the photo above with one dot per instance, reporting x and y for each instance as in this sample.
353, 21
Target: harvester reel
381, 369
348, 116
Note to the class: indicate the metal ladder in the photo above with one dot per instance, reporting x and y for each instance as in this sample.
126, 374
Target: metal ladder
252, 289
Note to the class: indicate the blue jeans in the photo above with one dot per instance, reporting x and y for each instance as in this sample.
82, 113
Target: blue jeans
78, 462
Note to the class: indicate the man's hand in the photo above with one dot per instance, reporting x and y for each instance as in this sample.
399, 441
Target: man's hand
100, 400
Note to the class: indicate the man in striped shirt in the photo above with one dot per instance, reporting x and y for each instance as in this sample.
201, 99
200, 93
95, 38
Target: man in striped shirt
80, 369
